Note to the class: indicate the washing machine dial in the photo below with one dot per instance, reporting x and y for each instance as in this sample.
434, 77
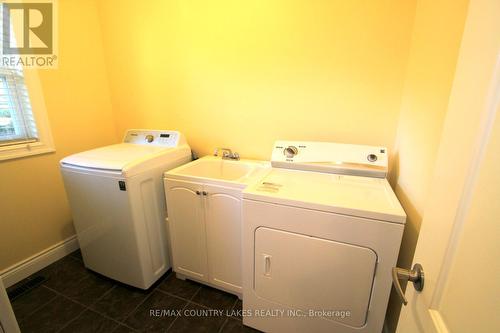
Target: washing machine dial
150, 138
290, 151
372, 158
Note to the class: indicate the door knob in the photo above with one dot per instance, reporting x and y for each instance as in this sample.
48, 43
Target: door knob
416, 275
198, 192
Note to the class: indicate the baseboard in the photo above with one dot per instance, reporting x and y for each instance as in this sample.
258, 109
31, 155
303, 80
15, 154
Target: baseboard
42, 259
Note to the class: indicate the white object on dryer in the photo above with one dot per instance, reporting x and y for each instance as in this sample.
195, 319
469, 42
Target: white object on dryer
118, 204
321, 233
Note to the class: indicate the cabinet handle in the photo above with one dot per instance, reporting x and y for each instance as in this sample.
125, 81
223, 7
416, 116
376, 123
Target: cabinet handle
267, 265
205, 193
198, 192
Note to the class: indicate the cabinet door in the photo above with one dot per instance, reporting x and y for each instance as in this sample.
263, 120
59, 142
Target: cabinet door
223, 223
187, 227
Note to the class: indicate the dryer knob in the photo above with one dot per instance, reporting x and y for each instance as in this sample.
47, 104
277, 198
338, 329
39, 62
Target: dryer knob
372, 158
290, 151
149, 138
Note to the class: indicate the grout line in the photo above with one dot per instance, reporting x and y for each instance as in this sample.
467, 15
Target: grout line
121, 325
185, 306
234, 304
39, 307
72, 320
201, 305
75, 260
113, 319
196, 293
138, 305
173, 295
95, 311
102, 296
179, 297
190, 301
172, 323
67, 297
223, 324
234, 308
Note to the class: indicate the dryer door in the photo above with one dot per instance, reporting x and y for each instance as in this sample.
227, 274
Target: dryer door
308, 273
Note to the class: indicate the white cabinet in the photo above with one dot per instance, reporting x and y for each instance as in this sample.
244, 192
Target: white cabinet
205, 227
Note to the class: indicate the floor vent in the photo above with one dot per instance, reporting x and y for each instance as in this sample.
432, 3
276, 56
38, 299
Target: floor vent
26, 286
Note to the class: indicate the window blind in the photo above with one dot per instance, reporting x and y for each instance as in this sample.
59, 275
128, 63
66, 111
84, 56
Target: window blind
16, 117
17, 124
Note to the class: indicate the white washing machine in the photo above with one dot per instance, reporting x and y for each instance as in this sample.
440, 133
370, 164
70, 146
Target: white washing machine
118, 204
321, 232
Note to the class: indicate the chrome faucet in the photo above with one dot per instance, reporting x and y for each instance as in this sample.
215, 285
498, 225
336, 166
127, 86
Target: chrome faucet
227, 154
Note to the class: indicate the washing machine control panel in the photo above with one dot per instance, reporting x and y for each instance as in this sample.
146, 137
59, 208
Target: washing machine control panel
331, 157
153, 137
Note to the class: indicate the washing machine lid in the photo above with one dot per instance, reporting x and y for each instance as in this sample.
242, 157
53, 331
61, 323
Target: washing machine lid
366, 197
142, 149
114, 157
125, 158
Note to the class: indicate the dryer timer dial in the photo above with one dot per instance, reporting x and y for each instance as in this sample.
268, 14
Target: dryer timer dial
290, 151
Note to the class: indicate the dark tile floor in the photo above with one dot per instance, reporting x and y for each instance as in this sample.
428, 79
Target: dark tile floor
74, 299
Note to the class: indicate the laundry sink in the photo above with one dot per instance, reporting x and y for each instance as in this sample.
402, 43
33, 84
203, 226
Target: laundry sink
217, 169
213, 169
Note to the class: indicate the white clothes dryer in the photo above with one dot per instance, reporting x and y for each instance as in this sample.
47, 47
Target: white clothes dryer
321, 232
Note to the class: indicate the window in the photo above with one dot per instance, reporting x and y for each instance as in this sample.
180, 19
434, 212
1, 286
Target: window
24, 128
17, 123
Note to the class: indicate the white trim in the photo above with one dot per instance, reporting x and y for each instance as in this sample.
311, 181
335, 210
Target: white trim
8, 323
438, 321
42, 259
25, 149
485, 129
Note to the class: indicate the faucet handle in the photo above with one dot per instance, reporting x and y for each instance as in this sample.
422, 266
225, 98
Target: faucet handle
236, 156
226, 152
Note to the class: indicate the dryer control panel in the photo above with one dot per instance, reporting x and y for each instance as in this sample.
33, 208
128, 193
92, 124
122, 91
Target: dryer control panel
162, 138
330, 157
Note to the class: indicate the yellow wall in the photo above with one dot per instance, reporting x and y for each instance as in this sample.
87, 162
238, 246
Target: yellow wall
34, 211
242, 74
434, 50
